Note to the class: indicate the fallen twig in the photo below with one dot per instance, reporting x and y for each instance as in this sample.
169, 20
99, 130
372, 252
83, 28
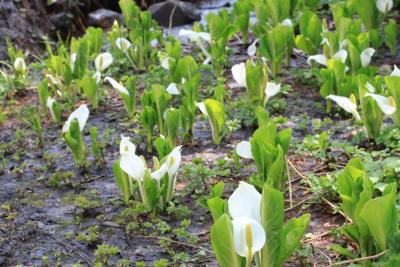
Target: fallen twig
333, 206
359, 259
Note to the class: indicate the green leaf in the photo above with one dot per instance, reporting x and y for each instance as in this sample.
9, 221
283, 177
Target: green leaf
96, 149
218, 189
272, 216
150, 192
172, 119
130, 102
262, 116
256, 80
217, 207
216, 114
222, 242
276, 172
73, 138
161, 99
291, 236
368, 12
380, 214
391, 33
393, 85
89, 87
305, 44
310, 28
122, 180
341, 250
94, 38
43, 93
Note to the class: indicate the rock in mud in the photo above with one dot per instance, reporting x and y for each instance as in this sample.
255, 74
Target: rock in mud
103, 18
183, 12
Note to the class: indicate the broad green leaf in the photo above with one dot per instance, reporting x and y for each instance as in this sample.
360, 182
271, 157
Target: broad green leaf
292, 233
272, 216
368, 12
217, 207
256, 80
150, 192
216, 114
122, 180
222, 242
89, 87
393, 85
380, 214
172, 119
43, 93
391, 32
218, 189
277, 170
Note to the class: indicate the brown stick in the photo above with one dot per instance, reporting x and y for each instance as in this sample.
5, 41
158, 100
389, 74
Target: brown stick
359, 259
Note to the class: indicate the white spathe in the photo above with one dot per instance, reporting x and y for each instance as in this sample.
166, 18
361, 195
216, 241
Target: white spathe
341, 55
252, 49
386, 104
366, 56
49, 104
384, 5
126, 146
195, 36
242, 227
165, 63
243, 149
102, 61
370, 87
202, 108
245, 201
81, 114
170, 166
97, 77
172, 89
199, 38
72, 61
133, 165
123, 44
116, 85
347, 104
173, 161
271, 90
159, 174
239, 74
395, 72
320, 59
287, 23
19, 64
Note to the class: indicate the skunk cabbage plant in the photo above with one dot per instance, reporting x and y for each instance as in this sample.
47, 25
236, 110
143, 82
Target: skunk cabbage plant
254, 77
254, 228
72, 133
157, 187
128, 94
215, 111
268, 148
